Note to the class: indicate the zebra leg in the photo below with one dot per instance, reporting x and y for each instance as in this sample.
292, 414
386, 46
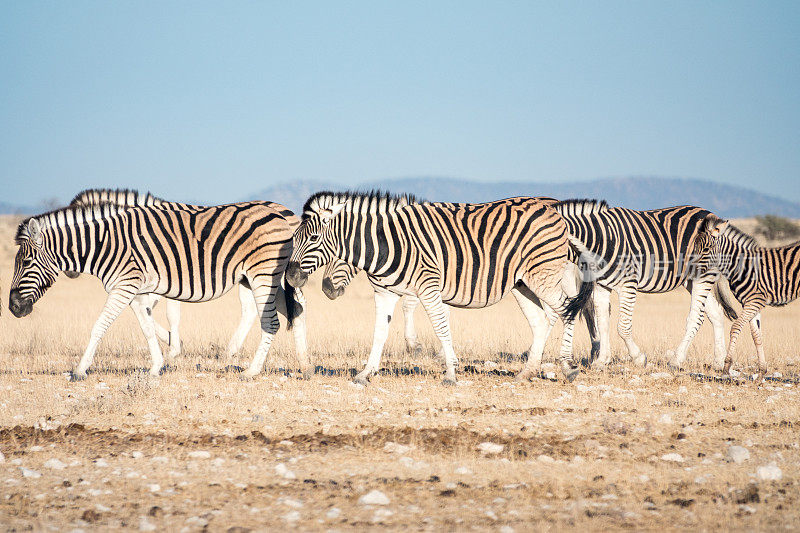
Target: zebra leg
749, 312
541, 324
265, 296
142, 308
717, 318
118, 299
700, 290
439, 315
755, 330
385, 302
249, 314
557, 300
410, 304
627, 301
174, 319
161, 332
602, 311
298, 329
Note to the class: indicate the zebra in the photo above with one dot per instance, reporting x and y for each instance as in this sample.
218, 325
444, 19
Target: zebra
648, 251
463, 255
171, 336
190, 255
756, 276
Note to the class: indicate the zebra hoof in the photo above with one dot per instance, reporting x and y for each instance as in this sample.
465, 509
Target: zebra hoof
571, 374
77, 376
307, 374
248, 375
674, 367
448, 382
640, 360
361, 380
523, 375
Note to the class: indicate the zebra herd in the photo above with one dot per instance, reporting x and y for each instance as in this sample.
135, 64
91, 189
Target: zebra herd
559, 259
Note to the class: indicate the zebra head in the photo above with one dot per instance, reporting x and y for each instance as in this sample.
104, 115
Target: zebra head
35, 268
706, 254
313, 242
337, 277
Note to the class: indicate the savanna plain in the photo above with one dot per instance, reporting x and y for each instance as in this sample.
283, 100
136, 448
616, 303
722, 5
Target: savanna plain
199, 448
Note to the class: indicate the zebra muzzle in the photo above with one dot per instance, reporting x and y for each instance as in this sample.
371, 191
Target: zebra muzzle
331, 291
19, 306
295, 275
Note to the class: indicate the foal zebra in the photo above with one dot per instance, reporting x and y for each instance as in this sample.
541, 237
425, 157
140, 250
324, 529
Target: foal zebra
648, 251
132, 198
190, 255
463, 255
756, 276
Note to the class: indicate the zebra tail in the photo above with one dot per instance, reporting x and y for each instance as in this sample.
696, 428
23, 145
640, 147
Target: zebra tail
722, 290
291, 310
578, 303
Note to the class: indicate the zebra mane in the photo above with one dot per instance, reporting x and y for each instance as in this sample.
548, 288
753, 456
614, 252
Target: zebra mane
585, 206
366, 202
120, 197
740, 238
65, 217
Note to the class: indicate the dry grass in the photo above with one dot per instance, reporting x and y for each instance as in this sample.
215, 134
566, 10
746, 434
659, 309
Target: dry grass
584, 455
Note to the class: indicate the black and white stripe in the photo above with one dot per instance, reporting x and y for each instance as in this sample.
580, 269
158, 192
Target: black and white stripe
190, 255
463, 255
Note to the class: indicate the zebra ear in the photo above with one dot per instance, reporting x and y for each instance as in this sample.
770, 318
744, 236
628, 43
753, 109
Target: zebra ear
327, 214
713, 225
35, 232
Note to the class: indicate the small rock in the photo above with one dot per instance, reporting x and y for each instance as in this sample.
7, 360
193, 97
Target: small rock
54, 464
380, 515
374, 497
393, 447
672, 457
682, 389
546, 459
154, 487
200, 454
284, 472
292, 516
463, 471
27, 472
290, 502
661, 375
137, 455
666, 418
333, 513
490, 448
406, 461
738, 454
769, 473
197, 521
146, 525
101, 463
2, 458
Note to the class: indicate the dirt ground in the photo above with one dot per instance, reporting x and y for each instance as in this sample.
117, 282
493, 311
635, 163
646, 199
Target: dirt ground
200, 448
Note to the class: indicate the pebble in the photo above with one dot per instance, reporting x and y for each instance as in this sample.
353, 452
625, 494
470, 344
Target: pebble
2, 458
546, 459
101, 463
292, 516
769, 473
27, 472
463, 470
146, 525
490, 448
666, 418
406, 461
200, 454
154, 487
283, 471
661, 375
137, 455
393, 447
374, 497
672, 457
54, 464
333, 513
197, 521
738, 454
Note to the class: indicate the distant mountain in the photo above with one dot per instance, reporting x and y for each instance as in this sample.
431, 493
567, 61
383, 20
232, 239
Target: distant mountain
634, 192
13, 209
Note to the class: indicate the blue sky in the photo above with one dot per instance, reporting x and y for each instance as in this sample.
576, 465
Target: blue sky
213, 101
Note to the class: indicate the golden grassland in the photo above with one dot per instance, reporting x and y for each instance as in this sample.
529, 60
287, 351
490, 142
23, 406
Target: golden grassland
200, 448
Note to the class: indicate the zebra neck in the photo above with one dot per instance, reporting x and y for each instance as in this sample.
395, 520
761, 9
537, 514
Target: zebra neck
79, 250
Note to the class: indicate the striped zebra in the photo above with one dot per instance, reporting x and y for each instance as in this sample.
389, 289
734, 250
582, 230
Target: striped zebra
171, 336
756, 276
463, 255
646, 251
190, 255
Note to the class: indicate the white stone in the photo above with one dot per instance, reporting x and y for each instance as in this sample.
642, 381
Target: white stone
333, 513
682, 389
661, 375
374, 497
406, 461
160, 459
197, 521
283, 471
738, 454
2, 458
769, 473
393, 447
200, 454
292, 516
672, 457
137, 454
546, 459
146, 525
489, 448
101, 463
666, 418
290, 502
154, 487
27, 472
54, 464
463, 470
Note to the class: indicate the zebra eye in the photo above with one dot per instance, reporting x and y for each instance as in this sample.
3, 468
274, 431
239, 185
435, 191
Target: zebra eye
314, 237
